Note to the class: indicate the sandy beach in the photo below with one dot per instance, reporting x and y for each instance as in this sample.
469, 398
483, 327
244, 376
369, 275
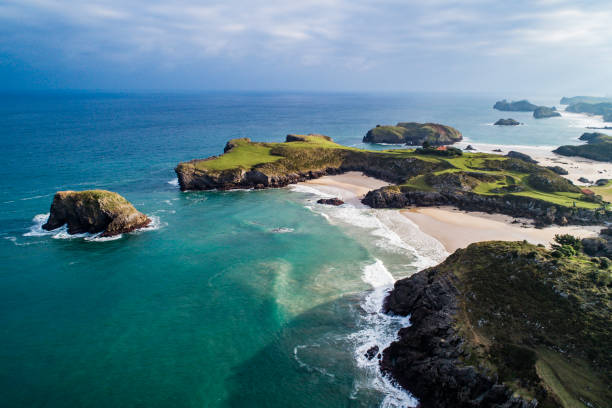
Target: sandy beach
451, 227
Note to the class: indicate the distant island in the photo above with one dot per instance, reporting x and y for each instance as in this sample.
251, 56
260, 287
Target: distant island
545, 112
584, 99
428, 176
94, 211
506, 324
598, 147
604, 109
507, 122
413, 134
515, 106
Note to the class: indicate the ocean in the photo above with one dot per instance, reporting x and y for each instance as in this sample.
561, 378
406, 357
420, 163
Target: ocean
241, 298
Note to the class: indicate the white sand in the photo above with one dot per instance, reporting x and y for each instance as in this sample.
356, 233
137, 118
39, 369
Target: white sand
452, 228
350, 187
457, 229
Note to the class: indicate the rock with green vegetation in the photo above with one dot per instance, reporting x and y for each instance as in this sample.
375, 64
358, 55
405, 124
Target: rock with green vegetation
604, 109
94, 211
598, 147
507, 122
506, 324
414, 134
515, 106
545, 112
584, 99
423, 176
558, 169
521, 156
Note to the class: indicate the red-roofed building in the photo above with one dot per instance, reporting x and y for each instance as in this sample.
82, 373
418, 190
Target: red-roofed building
442, 148
588, 192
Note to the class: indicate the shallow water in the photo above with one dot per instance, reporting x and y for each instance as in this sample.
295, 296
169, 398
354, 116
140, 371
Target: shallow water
246, 298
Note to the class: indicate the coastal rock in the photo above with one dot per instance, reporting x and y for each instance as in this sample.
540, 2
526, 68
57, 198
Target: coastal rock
94, 211
585, 180
414, 134
542, 212
372, 352
598, 147
515, 106
521, 156
469, 147
507, 122
330, 201
497, 150
558, 169
425, 359
545, 112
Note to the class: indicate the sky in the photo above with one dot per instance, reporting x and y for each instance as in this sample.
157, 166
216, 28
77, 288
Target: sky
535, 46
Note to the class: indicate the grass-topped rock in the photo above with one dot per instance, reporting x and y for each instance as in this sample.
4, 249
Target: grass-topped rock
515, 106
542, 112
414, 134
507, 122
506, 324
598, 147
422, 176
94, 211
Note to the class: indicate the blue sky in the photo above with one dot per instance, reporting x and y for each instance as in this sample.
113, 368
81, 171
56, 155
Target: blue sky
534, 47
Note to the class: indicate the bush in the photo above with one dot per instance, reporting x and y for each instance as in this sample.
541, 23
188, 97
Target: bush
567, 239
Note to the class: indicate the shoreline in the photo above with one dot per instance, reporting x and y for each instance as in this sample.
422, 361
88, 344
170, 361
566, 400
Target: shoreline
449, 226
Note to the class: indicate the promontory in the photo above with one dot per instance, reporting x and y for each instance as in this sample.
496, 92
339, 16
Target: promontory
428, 176
94, 211
506, 325
413, 134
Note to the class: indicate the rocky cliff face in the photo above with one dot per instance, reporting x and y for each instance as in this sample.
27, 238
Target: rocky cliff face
94, 211
384, 167
544, 213
414, 134
426, 358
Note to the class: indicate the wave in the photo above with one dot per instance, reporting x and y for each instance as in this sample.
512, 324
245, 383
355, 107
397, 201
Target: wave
309, 367
174, 182
379, 330
36, 230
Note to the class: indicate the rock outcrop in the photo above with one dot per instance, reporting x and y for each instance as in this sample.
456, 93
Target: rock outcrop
507, 122
330, 201
521, 156
598, 147
94, 211
426, 358
414, 134
545, 112
515, 106
542, 212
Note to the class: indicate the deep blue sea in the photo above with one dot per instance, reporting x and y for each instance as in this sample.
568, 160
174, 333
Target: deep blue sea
232, 299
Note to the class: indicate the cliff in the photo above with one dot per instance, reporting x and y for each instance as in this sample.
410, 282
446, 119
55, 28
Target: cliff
94, 211
515, 106
424, 176
598, 147
414, 134
505, 324
542, 112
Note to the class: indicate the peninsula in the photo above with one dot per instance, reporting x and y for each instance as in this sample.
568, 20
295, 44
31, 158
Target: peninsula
598, 147
506, 324
421, 177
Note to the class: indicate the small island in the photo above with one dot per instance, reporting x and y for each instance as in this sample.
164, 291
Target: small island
515, 106
94, 211
507, 122
598, 147
542, 112
506, 324
428, 176
413, 134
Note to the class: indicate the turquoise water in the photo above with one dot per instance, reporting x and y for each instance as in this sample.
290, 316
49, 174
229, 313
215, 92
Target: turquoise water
246, 298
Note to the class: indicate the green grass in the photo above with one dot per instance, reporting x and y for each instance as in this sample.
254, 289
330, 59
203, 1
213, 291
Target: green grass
519, 302
317, 153
245, 156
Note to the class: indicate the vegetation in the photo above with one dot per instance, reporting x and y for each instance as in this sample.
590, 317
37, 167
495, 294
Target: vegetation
545, 112
543, 324
492, 174
414, 134
515, 106
603, 108
584, 99
598, 147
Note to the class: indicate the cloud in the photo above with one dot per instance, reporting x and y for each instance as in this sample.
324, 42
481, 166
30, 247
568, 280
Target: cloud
359, 35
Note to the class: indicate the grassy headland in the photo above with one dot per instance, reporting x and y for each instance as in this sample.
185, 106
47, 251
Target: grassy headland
247, 164
598, 147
